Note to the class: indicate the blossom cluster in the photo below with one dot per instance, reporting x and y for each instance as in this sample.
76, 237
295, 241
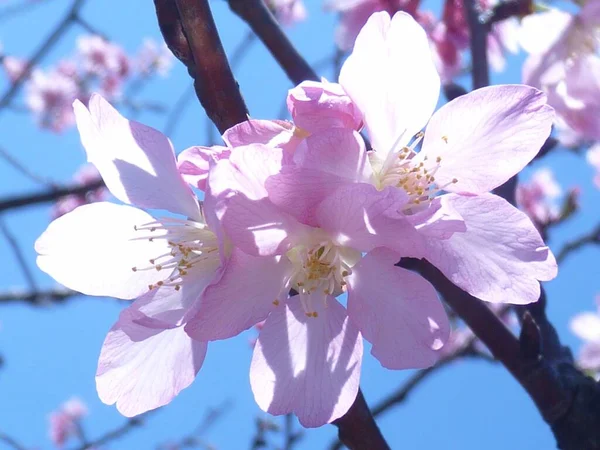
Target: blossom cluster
587, 327
301, 229
98, 65
64, 422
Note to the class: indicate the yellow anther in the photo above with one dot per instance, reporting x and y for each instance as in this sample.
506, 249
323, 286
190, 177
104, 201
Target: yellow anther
158, 267
276, 302
438, 159
134, 269
445, 139
177, 287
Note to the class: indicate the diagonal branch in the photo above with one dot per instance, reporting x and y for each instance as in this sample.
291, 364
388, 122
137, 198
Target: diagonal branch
256, 14
592, 237
38, 298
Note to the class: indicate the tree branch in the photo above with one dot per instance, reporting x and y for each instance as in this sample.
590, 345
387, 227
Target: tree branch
592, 237
48, 195
256, 14
38, 298
190, 32
358, 430
478, 41
509, 8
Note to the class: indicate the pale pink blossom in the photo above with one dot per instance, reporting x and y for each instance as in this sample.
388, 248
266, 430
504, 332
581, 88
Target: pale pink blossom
49, 96
64, 422
471, 145
538, 197
153, 58
13, 67
564, 62
120, 250
288, 12
593, 158
308, 354
101, 57
586, 326
87, 174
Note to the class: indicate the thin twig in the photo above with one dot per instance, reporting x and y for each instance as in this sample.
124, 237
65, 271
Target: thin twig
23, 169
592, 237
38, 298
48, 43
14, 245
11, 442
11, 11
35, 198
260, 19
177, 110
115, 434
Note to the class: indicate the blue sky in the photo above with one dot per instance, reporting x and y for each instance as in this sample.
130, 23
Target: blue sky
51, 353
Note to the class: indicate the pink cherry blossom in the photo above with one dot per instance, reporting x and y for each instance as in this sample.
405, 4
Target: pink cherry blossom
308, 354
101, 57
563, 61
288, 12
154, 57
587, 327
87, 174
593, 158
537, 197
13, 67
122, 251
64, 421
496, 254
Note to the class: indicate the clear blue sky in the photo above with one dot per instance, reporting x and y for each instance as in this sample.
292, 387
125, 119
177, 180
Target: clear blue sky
51, 353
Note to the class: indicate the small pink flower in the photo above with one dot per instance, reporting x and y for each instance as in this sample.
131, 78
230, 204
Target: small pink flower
64, 422
537, 197
102, 58
586, 326
288, 12
13, 67
593, 158
119, 250
153, 57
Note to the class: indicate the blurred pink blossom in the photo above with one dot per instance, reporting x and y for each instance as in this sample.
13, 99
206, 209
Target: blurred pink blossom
13, 67
87, 174
101, 57
593, 157
563, 61
287, 12
153, 57
64, 421
538, 197
586, 326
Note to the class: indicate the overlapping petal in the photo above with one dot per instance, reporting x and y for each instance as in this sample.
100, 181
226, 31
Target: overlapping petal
397, 311
309, 366
194, 162
136, 162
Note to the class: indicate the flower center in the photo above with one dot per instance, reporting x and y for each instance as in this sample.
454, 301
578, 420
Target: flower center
321, 269
416, 176
191, 245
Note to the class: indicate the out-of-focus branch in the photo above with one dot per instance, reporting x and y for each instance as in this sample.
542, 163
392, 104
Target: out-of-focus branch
478, 41
60, 29
190, 32
12, 241
592, 237
117, 433
48, 195
38, 297
11, 442
15, 163
509, 8
256, 14
357, 428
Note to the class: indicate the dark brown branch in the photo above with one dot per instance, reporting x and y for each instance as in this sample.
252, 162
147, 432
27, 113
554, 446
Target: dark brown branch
592, 237
256, 14
509, 8
190, 32
358, 430
115, 434
49, 195
60, 29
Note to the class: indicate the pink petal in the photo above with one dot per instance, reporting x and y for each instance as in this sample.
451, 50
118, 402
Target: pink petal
93, 249
309, 366
440, 220
361, 217
273, 133
320, 105
136, 162
395, 85
487, 136
397, 311
500, 257
243, 296
586, 326
143, 368
194, 162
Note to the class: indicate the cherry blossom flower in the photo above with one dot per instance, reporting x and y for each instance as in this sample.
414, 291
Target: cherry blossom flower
497, 255
87, 174
587, 327
101, 57
308, 354
287, 12
154, 57
538, 197
13, 67
563, 61
64, 421
122, 251
593, 157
